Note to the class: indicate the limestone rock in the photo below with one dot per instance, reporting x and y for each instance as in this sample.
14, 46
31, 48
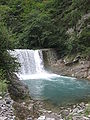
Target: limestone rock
17, 89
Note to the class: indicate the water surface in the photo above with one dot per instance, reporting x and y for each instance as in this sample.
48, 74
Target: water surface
59, 90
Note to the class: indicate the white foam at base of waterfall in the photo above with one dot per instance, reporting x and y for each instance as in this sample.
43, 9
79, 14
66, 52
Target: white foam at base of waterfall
32, 66
42, 75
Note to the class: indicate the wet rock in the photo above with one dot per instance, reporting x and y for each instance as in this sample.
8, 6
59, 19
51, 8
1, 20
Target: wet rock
16, 88
41, 118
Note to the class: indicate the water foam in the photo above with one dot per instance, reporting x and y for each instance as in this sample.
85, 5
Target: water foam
37, 76
32, 65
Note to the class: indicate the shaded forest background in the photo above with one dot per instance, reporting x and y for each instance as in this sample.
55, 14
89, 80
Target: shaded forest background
36, 24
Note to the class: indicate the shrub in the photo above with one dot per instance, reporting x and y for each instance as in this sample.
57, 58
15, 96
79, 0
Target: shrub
3, 87
3, 83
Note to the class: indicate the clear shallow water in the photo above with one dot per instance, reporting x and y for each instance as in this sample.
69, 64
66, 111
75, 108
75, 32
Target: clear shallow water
59, 90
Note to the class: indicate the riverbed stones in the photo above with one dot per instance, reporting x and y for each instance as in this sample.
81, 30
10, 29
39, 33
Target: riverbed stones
37, 111
8, 101
30, 118
31, 107
6, 109
3, 118
76, 112
85, 118
65, 113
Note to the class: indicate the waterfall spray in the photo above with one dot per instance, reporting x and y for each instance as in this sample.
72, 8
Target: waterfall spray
32, 66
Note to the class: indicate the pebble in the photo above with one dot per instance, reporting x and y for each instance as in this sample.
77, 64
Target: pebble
0, 97
49, 111
29, 118
6, 109
75, 110
82, 104
41, 118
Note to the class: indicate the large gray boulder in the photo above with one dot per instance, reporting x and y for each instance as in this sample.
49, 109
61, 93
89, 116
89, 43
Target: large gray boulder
16, 88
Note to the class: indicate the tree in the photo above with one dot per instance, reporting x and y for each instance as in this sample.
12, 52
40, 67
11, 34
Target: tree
7, 63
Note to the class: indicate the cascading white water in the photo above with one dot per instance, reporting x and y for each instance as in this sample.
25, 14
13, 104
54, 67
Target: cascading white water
32, 66
39, 61
26, 59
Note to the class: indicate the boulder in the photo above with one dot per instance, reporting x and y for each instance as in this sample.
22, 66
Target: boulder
17, 89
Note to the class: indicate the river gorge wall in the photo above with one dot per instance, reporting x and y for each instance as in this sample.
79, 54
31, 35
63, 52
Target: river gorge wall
76, 67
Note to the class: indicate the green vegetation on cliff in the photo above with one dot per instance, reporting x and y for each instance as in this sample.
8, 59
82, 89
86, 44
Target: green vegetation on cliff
3, 83
62, 24
7, 63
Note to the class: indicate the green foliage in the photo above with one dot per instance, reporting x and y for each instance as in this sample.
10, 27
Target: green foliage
3, 87
3, 83
7, 63
44, 24
85, 37
3, 11
4, 38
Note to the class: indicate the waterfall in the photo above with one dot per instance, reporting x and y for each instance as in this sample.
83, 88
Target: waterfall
32, 66
39, 61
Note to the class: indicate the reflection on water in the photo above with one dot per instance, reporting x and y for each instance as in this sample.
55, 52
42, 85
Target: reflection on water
59, 90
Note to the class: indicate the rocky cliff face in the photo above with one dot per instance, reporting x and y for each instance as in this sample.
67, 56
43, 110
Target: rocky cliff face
81, 69
49, 58
76, 67
16, 88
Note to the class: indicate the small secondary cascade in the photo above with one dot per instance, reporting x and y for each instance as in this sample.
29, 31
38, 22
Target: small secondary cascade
32, 66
